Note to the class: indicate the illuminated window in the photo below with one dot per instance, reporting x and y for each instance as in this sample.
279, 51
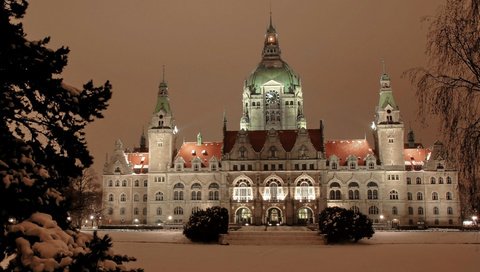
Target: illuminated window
373, 210
242, 191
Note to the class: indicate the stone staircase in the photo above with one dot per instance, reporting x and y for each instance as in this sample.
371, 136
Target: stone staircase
273, 236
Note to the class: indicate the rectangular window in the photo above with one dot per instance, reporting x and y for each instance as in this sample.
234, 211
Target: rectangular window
296, 166
265, 167
280, 167
273, 167
242, 167
312, 166
249, 167
235, 167
304, 166
390, 140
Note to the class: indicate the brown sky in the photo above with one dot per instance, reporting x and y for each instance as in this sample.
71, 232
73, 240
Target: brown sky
210, 46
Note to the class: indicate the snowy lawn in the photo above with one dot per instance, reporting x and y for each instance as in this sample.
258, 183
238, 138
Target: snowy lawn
386, 251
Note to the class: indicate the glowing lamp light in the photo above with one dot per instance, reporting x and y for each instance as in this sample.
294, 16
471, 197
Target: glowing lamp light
169, 217
91, 217
373, 126
474, 218
11, 220
381, 217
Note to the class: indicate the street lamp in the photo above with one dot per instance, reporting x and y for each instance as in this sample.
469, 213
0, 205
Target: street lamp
91, 218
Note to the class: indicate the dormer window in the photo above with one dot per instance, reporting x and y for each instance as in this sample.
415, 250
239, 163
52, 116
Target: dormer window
193, 152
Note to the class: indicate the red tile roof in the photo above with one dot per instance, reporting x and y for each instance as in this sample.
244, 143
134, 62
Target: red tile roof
204, 151
257, 139
344, 148
139, 161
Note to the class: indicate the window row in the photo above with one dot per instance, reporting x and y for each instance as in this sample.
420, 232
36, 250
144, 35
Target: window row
373, 210
419, 196
433, 180
124, 183
158, 211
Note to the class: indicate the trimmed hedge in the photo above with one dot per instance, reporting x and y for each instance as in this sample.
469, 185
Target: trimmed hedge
206, 226
342, 225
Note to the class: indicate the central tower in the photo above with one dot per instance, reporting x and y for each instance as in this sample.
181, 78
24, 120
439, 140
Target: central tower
272, 94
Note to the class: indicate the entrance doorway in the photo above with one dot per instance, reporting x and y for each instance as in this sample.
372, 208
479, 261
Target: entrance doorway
243, 216
274, 216
304, 216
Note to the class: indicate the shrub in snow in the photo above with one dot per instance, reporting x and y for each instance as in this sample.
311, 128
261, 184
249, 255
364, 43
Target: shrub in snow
341, 225
206, 226
41, 245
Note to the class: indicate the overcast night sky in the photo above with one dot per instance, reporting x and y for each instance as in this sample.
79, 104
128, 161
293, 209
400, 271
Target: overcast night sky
209, 47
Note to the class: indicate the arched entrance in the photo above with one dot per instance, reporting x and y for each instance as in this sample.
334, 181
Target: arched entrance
304, 216
243, 216
274, 216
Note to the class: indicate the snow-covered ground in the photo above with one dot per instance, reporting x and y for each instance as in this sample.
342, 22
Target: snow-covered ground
386, 251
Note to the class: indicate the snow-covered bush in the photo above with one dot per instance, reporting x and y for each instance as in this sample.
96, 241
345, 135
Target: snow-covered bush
41, 245
206, 226
342, 225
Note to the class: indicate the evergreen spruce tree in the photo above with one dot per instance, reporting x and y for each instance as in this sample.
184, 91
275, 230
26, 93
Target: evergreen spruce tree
42, 139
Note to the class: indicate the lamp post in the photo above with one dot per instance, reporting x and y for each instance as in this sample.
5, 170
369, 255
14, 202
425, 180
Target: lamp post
91, 219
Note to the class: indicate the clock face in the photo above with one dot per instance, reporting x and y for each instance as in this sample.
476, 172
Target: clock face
272, 97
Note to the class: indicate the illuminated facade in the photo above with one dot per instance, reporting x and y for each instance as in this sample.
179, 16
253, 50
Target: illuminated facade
276, 170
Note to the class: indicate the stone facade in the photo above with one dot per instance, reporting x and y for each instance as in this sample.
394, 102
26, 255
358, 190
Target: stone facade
275, 170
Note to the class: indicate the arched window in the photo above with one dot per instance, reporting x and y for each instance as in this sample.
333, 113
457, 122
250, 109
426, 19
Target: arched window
394, 210
196, 195
196, 186
178, 186
418, 180
178, 195
335, 194
137, 183
304, 190
334, 165
410, 210
135, 211
373, 210
420, 210
448, 196
158, 196
449, 180
372, 192
371, 165
110, 183
145, 183
144, 211
178, 191
409, 180
110, 197
393, 195
124, 183
432, 180
110, 211
178, 211
159, 211
273, 152
242, 191
123, 197
434, 196
122, 211
145, 198
436, 211
449, 210
409, 196
117, 183
353, 192
213, 191
419, 196
440, 180
136, 198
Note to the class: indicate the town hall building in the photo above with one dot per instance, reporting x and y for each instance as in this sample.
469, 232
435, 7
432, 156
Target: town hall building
277, 168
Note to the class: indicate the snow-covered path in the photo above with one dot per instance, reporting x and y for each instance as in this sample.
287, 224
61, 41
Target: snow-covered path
386, 251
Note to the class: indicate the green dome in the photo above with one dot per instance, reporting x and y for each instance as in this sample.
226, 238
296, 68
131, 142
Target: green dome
279, 71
